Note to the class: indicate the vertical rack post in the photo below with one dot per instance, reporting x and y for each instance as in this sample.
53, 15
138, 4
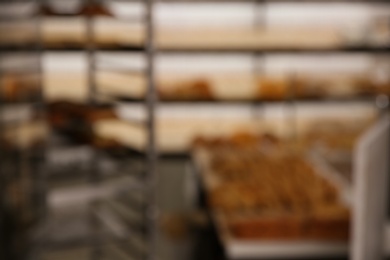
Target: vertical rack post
91, 102
42, 185
91, 77
151, 153
258, 57
259, 21
3, 238
91, 66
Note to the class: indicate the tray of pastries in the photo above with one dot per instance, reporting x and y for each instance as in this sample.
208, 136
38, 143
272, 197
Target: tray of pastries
261, 189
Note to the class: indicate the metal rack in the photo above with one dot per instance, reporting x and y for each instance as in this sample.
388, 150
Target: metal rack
22, 190
109, 204
149, 210
151, 97
121, 194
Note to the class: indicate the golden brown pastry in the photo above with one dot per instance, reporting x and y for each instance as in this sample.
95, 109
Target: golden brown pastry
16, 87
91, 9
189, 90
303, 88
75, 121
274, 89
364, 86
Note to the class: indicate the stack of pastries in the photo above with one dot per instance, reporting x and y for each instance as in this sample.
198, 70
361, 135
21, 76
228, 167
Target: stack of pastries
267, 191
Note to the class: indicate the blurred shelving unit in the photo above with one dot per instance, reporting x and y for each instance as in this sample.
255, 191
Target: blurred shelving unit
241, 249
121, 212
237, 250
22, 191
117, 216
382, 51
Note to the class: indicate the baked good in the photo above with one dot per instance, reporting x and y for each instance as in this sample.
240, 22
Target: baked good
305, 87
267, 181
274, 89
368, 85
364, 86
272, 227
320, 226
15, 87
264, 191
90, 9
187, 90
75, 120
335, 135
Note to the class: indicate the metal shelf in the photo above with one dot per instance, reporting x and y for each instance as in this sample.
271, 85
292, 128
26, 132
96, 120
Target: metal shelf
366, 49
101, 185
278, 50
200, 102
96, 49
15, 1
14, 48
256, 1
14, 19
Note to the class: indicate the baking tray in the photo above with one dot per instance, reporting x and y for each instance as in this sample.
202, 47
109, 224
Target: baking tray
236, 248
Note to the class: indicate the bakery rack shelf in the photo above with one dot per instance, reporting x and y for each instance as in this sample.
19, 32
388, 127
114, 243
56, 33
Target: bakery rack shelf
108, 49
49, 248
259, 1
200, 102
18, 161
163, 155
15, 1
324, 51
147, 183
27, 18
195, 51
128, 19
19, 48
